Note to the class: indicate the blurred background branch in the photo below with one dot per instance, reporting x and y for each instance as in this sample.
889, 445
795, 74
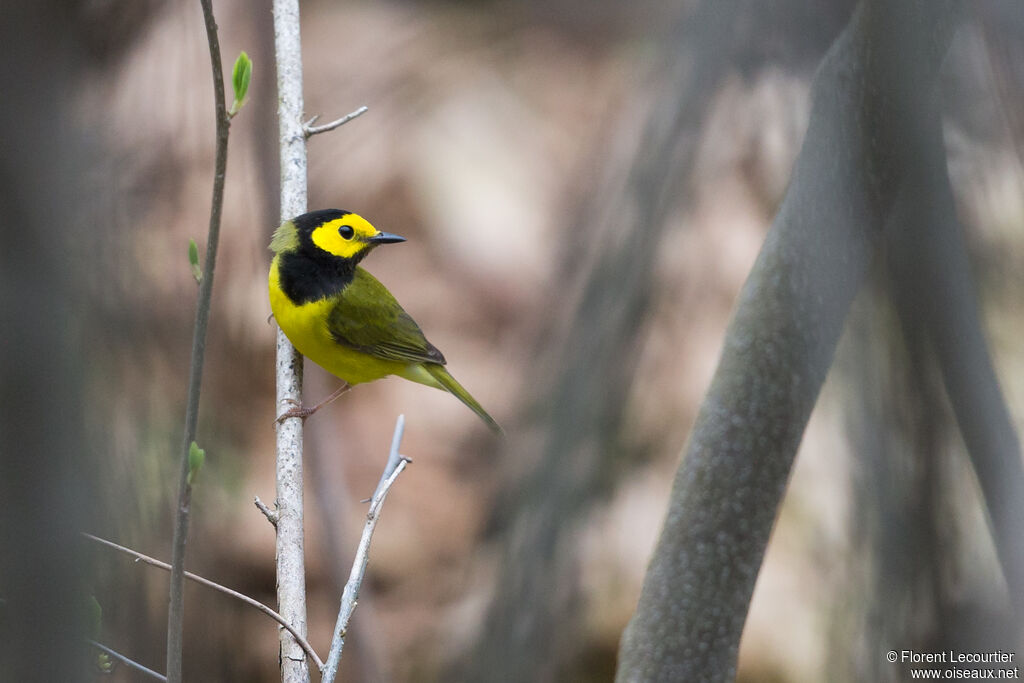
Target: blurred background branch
933, 290
583, 382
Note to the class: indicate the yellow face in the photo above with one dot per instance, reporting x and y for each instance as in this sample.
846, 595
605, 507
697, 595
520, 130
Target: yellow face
346, 236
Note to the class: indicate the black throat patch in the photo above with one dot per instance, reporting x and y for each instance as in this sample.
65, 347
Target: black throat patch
310, 277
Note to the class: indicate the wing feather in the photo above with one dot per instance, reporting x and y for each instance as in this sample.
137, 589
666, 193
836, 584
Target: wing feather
367, 318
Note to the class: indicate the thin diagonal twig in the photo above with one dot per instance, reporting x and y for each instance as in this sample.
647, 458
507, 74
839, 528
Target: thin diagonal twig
127, 661
271, 515
217, 587
310, 130
349, 597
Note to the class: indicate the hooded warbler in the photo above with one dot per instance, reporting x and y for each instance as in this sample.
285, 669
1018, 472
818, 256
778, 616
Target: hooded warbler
337, 314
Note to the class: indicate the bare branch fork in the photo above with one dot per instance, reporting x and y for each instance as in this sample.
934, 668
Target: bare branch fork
310, 130
396, 463
350, 596
176, 597
153, 562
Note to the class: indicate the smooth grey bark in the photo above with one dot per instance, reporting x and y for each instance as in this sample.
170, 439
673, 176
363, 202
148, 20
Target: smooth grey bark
291, 564
867, 96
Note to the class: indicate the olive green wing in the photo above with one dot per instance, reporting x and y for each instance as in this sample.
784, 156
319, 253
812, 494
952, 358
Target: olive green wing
367, 318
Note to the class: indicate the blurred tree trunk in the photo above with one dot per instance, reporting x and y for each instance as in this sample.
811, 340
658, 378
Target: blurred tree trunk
1003, 25
46, 468
531, 631
913, 573
903, 548
871, 95
914, 525
911, 507
933, 291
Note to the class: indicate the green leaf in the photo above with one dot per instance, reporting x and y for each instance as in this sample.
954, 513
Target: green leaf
104, 664
193, 258
241, 75
95, 612
196, 457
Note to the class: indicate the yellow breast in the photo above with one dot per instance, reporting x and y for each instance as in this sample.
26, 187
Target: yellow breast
306, 328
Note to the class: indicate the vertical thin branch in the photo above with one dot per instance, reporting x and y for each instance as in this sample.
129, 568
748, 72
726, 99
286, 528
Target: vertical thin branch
291, 574
350, 596
176, 608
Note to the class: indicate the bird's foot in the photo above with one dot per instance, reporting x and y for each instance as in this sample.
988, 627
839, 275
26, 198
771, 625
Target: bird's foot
298, 411
302, 412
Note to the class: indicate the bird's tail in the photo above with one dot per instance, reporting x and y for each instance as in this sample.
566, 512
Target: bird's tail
448, 383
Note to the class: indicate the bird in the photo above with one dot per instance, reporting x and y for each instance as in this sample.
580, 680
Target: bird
337, 314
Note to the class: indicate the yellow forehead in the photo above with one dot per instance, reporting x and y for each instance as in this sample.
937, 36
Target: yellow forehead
329, 235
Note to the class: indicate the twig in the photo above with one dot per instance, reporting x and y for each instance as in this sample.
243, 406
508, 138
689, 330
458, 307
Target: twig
127, 661
310, 130
291, 568
267, 512
139, 557
176, 598
339, 542
349, 597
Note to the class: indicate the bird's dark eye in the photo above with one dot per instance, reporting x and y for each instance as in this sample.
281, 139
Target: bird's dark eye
346, 231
